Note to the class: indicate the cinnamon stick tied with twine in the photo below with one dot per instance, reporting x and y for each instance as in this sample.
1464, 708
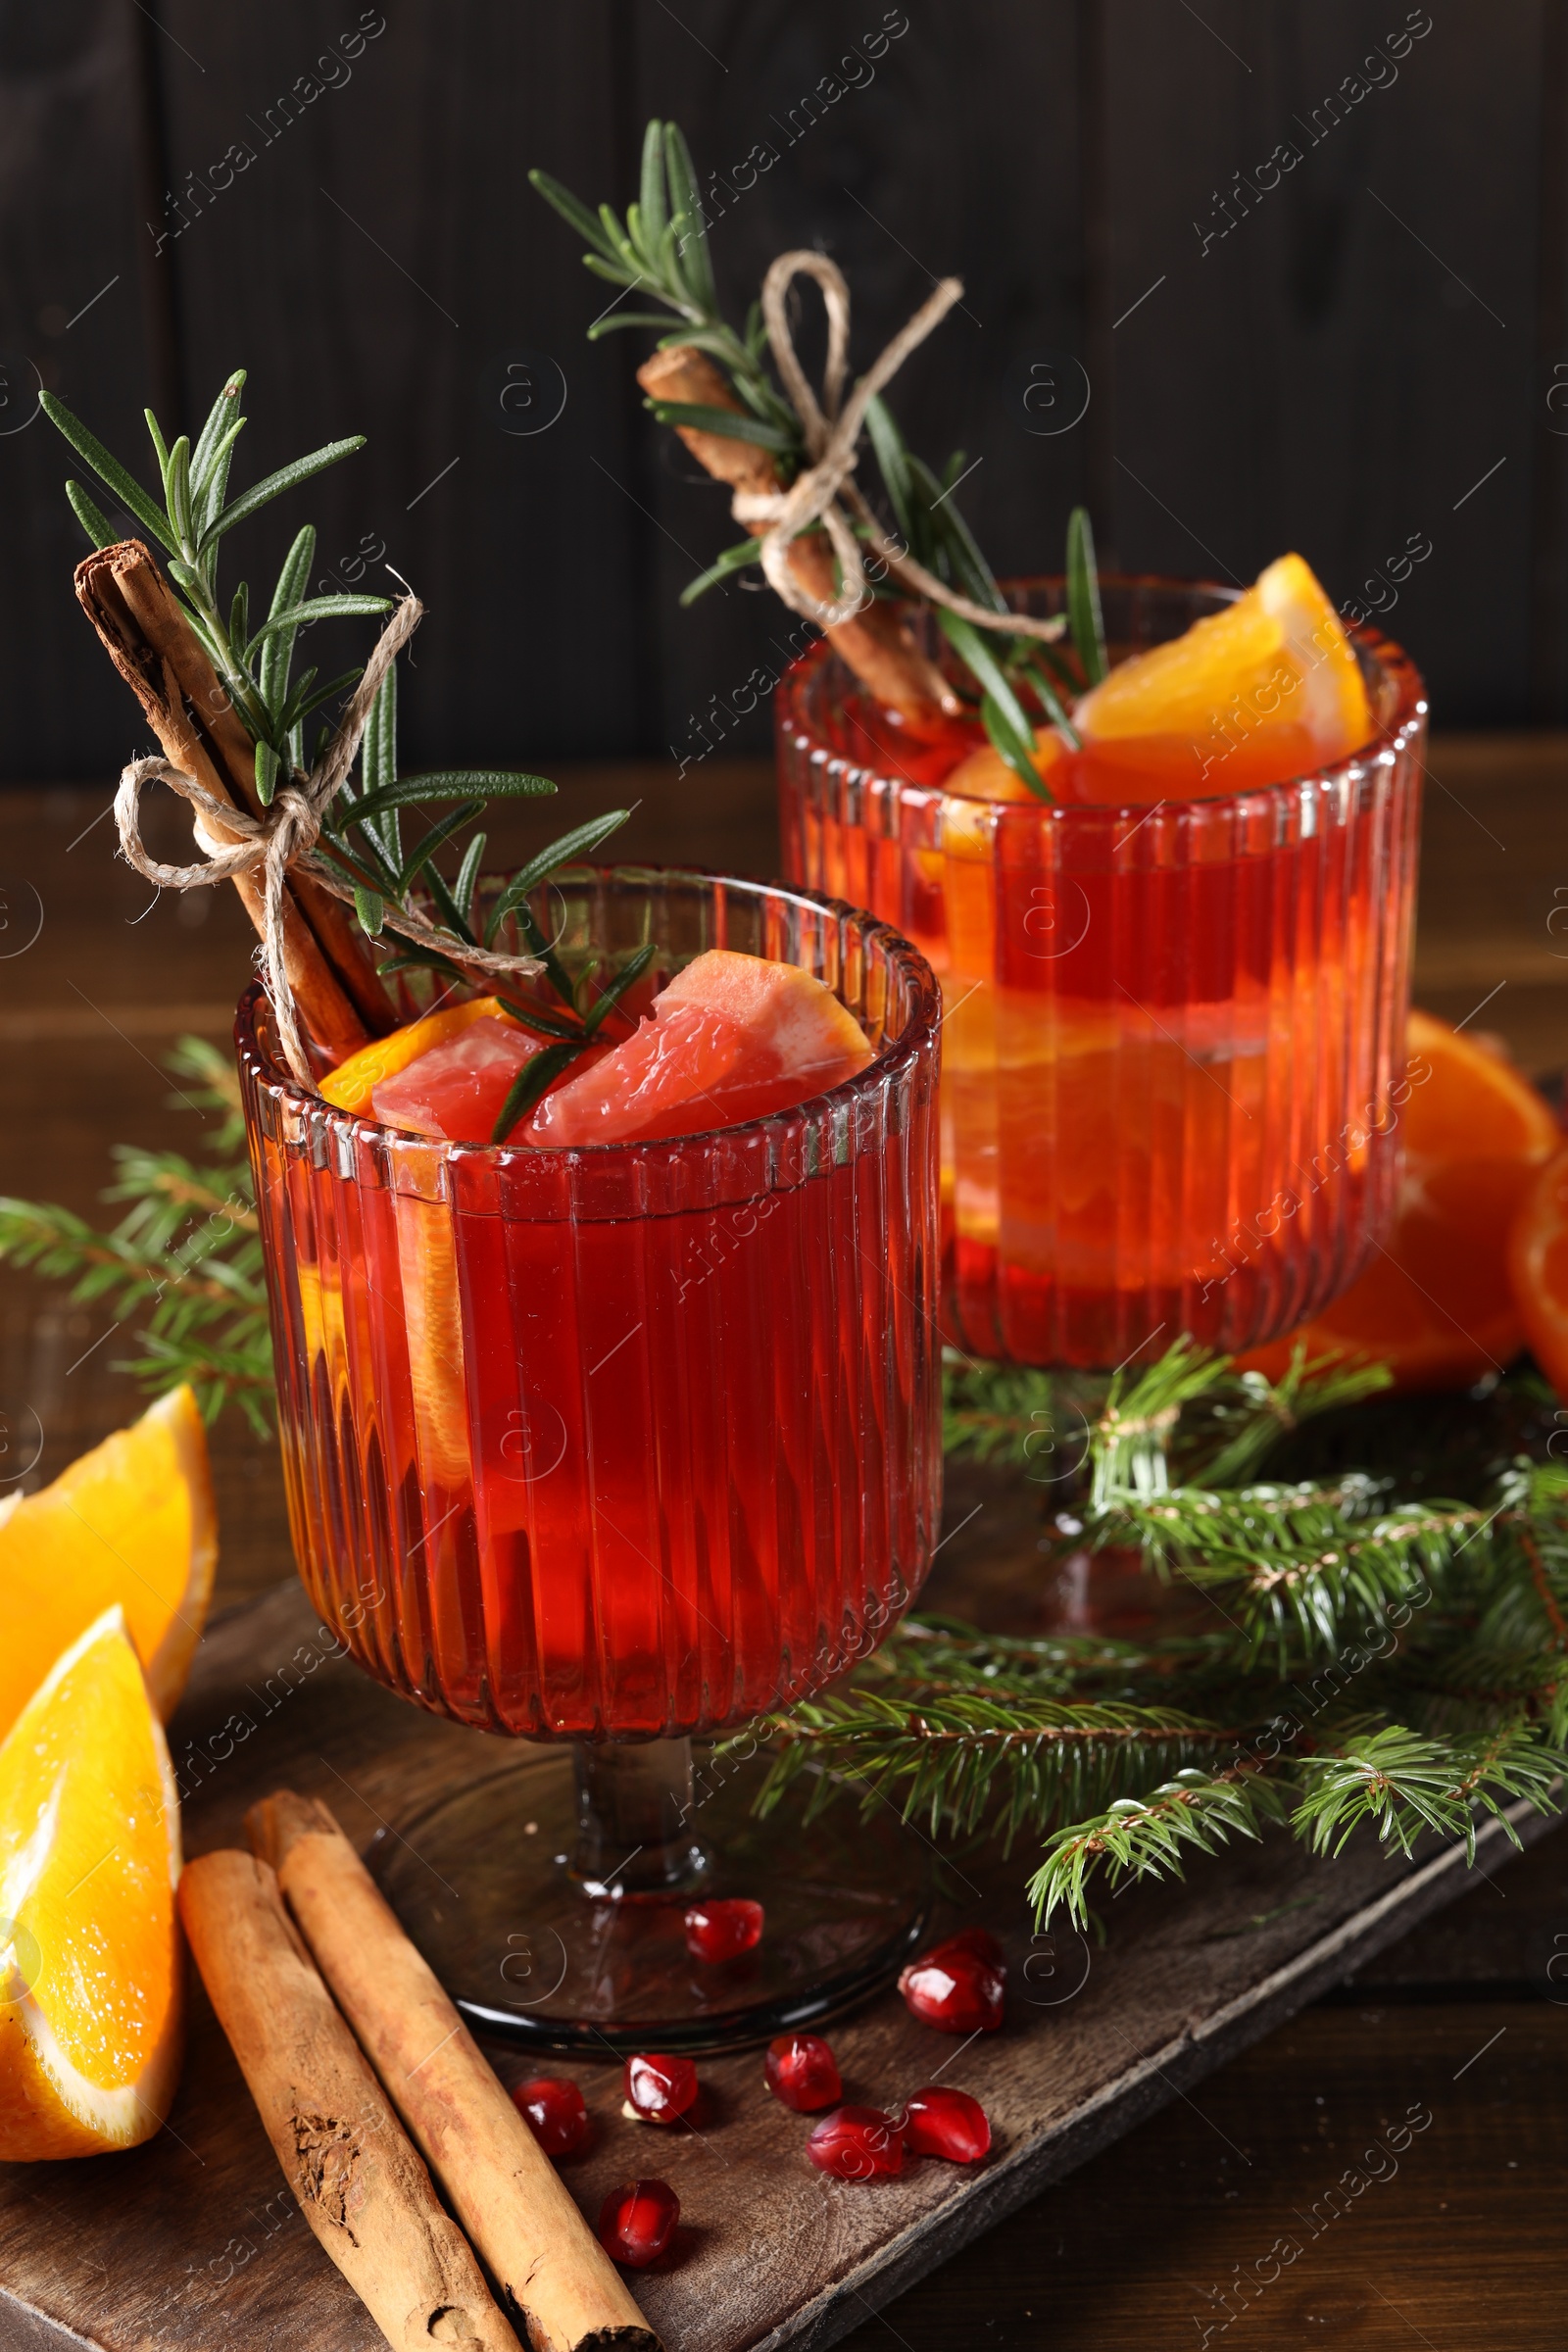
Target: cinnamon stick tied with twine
360, 2186
552, 2271
877, 642
271, 855
327, 959
800, 569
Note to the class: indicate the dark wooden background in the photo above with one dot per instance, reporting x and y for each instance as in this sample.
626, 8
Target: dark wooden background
1375, 336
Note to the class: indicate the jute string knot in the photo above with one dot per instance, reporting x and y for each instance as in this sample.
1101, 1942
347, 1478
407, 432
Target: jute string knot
831, 428
285, 839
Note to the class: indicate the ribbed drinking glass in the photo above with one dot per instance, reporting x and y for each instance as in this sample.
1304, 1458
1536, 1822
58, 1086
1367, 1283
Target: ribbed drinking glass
1174, 1034
620, 1442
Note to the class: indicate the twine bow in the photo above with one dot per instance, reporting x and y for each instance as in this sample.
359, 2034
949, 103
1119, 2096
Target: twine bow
285, 838
832, 430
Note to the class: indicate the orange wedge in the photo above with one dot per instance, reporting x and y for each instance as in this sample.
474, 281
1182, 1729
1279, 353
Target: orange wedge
1538, 1267
1263, 691
90, 1966
1283, 632
986, 776
131, 1522
1436, 1304
351, 1084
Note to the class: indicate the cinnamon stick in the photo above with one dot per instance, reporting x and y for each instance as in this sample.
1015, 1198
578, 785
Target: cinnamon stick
502, 2186
359, 2184
876, 644
329, 964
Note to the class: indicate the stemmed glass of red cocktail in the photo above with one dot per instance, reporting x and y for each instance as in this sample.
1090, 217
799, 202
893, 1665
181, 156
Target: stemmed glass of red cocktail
614, 1447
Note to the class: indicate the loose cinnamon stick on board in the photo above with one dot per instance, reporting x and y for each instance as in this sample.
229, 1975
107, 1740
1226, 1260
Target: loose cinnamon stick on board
153, 645
876, 644
360, 2186
552, 2271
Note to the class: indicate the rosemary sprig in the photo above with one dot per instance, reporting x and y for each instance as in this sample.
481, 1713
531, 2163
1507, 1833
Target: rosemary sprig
364, 840
660, 252
194, 516
362, 835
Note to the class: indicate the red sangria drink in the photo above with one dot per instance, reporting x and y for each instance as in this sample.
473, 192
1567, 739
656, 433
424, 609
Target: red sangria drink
1175, 990
607, 1443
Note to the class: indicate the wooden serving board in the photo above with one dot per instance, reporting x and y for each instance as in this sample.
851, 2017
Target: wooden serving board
193, 2243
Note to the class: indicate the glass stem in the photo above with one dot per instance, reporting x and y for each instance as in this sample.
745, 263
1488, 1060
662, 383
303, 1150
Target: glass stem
635, 1806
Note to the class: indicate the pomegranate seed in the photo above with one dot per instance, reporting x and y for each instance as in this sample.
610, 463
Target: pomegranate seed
947, 2123
556, 2112
978, 1942
956, 1991
858, 2144
803, 2071
660, 2088
637, 2222
722, 1930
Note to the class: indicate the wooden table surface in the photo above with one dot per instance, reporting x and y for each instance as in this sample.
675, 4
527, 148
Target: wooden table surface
1454, 2242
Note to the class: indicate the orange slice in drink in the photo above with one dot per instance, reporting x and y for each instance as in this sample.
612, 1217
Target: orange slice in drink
432, 1323
1538, 1267
90, 1963
986, 776
447, 1076
352, 1084
731, 1038
1267, 689
1434, 1303
131, 1522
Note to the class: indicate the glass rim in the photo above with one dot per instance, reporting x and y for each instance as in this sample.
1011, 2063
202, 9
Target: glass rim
1382, 749
889, 1060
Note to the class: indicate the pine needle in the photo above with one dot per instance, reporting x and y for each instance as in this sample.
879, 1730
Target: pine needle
1378, 1660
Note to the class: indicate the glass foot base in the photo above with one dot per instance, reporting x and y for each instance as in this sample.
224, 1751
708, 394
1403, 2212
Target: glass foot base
483, 1883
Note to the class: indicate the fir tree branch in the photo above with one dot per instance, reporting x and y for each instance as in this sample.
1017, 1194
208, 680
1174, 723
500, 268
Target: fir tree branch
55, 1243
1426, 1636
928, 1654
1190, 1415
1141, 1838
166, 1177
1404, 1784
1231, 1432
184, 1266
1020, 1761
1000, 1413
1290, 1563
239, 1373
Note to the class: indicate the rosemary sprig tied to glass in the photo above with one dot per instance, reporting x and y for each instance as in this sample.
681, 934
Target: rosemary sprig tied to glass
362, 839
660, 252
